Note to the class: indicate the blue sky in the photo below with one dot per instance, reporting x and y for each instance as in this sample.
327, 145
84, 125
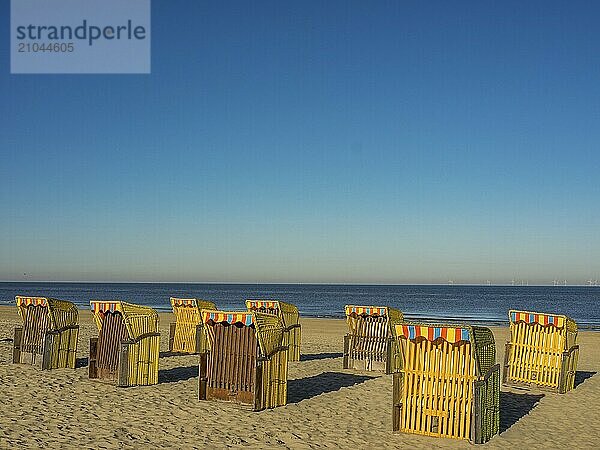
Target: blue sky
390, 142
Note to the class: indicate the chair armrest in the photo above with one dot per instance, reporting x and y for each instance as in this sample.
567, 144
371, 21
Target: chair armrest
139, 338
275, 350
484, 378
65, 328
571, 350
291, 327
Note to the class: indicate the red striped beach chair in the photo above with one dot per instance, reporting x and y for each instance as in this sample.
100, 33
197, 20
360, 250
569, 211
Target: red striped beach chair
245, 361
542, 351
185, 334
369, 344
126, 350
291, 321
48, 337
449, 383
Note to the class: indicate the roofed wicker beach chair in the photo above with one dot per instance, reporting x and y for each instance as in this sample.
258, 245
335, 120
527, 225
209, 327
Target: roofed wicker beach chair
449, 384
126, 350
369, 344
291, 321
184, 334
542, 351
246, 361
48, 337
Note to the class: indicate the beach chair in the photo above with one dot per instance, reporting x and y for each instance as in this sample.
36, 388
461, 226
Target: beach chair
542, 351
369, 344
48, 337
449, 383
126, 350
245, 361
291, 321
185, 334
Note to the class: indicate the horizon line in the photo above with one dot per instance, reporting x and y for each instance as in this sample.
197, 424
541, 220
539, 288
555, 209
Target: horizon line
303, 283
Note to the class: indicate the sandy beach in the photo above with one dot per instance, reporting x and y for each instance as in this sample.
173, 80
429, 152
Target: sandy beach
328, 407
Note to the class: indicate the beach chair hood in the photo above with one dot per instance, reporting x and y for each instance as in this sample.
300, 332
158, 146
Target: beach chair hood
139, 320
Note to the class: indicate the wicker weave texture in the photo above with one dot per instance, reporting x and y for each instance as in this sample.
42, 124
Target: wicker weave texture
369, 344
290, 317
246, 361
541, 353
49, 334
128, 343
447, 388
188, 315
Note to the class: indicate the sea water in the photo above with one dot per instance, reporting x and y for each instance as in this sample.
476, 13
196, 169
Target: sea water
461, 303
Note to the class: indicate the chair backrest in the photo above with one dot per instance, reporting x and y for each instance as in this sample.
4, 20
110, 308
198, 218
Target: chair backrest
137, 319
184, 334
537, 344
127, 347
290, 318
551, 331
441, 362
60, 313
40, 315
268, 330
371, 321
286, 311
187, 310
239, 343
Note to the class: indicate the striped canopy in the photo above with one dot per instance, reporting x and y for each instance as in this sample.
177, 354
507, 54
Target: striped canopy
183, 301
138, 319
61, 312
366, 310
106, 306
246, 318
256, 304
432, 332
539, 318
35, 301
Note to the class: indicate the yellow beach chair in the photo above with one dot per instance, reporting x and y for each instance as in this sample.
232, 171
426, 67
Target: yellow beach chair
542, 351
369, 344
245, 361
184, 335
291, 321
449, 384
126, 350
48, 337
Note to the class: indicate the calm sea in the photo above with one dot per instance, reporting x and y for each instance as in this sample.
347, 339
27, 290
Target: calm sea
475, 304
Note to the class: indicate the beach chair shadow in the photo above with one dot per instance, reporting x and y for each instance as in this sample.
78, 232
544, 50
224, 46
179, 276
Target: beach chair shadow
170, 354
81, 362
305, 388
514, 406
177, 374
315, 356
581, 376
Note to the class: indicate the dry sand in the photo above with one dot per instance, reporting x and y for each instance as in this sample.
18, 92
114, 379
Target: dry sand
328, 407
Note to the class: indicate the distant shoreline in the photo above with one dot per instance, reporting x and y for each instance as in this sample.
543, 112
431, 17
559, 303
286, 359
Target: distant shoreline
302, 283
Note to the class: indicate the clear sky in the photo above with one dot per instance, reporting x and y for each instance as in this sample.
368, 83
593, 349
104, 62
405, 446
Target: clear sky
327, 141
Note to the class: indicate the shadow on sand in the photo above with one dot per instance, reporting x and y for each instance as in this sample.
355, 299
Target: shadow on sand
514, 406
177, 374
313, 356
81, 362
581, 376
170, 354
305, 388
